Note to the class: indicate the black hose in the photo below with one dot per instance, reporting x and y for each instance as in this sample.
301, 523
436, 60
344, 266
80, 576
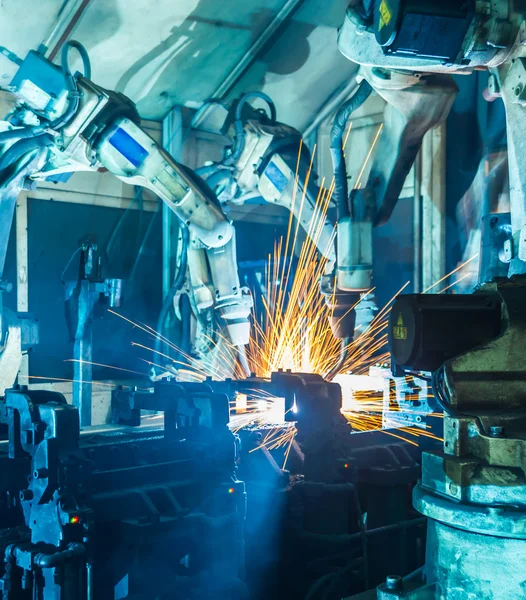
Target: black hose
208, 170
71, 83
341, 192
239, 144
48, 561
344, 353
22, 147
176, 286
21, 133
437, 383
86, 63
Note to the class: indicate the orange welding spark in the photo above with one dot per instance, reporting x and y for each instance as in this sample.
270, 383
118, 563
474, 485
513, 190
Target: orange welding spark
451, 273
401, 438
87, 362
453, 284
346, 137
359, 179
292, 437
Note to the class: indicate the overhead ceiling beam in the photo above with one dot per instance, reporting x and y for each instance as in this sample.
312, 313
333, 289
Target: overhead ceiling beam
66, 22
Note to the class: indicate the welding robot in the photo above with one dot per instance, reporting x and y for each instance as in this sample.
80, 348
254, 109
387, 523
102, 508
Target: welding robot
471, 346
175, 480
268, 161
65, 123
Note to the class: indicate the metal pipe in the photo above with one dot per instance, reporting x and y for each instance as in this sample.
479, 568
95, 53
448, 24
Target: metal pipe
89, 581
172, 136
417, 225
346, 539
67, 20
47, 561
336, 100
83, 374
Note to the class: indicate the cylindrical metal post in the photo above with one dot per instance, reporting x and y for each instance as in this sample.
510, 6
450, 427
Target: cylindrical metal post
82, 375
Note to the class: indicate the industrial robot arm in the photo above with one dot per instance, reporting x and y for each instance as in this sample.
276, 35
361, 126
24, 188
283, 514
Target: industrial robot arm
408, 50
269, 161
101, 129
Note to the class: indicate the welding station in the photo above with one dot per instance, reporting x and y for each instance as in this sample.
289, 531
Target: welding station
262, 297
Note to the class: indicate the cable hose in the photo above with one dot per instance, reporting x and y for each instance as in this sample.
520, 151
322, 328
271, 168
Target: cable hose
341, 192
239, 144
176, 286
344, 353
22, 147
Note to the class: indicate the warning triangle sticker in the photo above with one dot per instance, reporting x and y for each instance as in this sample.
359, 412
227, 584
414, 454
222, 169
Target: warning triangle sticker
399, 330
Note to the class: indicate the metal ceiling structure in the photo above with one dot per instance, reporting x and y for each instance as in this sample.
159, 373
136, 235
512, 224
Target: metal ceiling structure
169, 53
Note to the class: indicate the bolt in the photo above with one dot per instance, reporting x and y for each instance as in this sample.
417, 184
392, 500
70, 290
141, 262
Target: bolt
394, 582
496, 431
26, 495
41, 473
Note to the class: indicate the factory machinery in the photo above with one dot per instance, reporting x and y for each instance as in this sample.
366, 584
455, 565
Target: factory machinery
146, 508
153, 506
109, 513
322, 523
473, 490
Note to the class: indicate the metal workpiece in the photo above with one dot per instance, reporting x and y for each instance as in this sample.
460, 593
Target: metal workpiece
468, 479
180, 403
497, 440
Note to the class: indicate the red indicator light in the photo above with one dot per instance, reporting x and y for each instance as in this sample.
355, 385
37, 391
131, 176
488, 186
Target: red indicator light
346, 466
231, 490
74, 520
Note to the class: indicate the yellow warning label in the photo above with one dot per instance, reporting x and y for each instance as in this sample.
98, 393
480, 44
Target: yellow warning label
399, 331
385, 15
